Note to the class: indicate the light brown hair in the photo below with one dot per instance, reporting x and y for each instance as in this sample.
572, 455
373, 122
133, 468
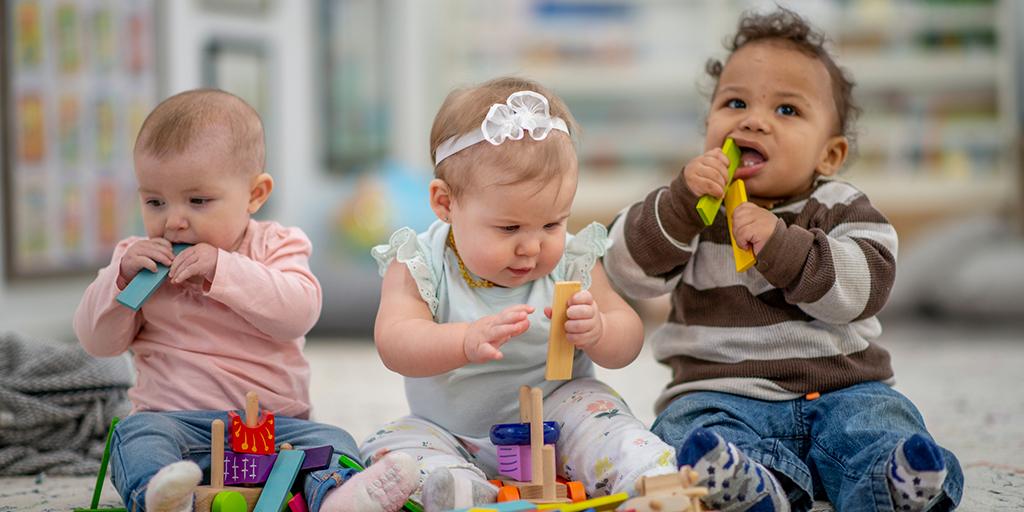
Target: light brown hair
180, 121
521, 160
788, 27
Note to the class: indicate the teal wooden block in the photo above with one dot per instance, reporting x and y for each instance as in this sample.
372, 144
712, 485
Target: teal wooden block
280, 481
146, 282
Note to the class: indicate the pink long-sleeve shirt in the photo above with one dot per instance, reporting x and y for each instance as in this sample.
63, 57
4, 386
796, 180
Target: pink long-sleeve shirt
204, 350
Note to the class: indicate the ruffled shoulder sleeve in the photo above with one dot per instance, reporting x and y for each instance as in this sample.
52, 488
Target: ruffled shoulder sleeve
415, 251
581, 254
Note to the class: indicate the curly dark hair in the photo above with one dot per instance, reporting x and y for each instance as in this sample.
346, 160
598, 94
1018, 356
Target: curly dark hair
789, 27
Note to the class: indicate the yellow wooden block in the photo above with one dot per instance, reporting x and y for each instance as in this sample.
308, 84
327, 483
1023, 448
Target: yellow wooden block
735, 195
560, 351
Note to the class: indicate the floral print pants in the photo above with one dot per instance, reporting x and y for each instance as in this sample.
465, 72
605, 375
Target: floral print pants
601, 443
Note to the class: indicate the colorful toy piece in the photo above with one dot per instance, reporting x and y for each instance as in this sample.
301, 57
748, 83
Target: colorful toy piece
250, 468
146, 282
735, 195
509, 434
674, 492
542, 487
508, 506
255, 434
601, 504
216, 497
282, 476
708, 205
560, 351
94, 505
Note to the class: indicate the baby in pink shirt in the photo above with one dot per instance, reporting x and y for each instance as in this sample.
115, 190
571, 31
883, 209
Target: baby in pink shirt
231, 317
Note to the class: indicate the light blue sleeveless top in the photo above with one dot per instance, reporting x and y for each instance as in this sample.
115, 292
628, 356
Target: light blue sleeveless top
469, 400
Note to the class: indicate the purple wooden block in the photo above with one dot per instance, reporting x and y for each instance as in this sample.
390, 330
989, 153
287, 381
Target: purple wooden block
250, 468
515, 462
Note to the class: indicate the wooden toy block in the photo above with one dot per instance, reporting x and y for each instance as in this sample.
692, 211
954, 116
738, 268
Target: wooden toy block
508, 506
297, 504
735, 196
601, 504
146, 282
675, 492
251, 468
229, 501
542, 487
104, 461
536, 435
707, 205
560, 351
515, 462
255, 434
206, 496
281, 478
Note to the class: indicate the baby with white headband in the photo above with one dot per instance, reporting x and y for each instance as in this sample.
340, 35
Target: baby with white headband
465, 305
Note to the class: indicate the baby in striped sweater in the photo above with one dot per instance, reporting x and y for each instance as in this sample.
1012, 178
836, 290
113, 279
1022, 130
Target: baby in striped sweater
779, 393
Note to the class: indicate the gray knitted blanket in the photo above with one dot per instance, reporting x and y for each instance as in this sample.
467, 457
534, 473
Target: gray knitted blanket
56, 403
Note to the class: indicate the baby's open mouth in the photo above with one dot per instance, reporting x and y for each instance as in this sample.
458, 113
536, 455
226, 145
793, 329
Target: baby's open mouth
749, 157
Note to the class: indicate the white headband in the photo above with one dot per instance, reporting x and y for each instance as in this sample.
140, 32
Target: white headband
524, 111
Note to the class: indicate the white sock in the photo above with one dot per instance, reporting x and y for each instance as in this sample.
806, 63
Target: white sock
173, 487
383, 487
916, 473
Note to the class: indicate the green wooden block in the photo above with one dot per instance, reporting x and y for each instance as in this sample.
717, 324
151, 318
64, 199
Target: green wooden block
707, 206
146, 282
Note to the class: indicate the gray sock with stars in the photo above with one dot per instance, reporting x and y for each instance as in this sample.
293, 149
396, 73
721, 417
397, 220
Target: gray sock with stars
916, 473
443, 490
735, 483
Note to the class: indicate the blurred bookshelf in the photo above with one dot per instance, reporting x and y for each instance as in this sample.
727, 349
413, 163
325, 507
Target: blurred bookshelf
935, 78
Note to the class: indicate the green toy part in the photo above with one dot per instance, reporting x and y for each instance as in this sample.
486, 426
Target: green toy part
228, 501
708, 205
94, 506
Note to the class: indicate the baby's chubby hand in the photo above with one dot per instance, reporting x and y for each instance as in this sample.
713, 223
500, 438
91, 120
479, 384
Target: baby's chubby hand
199, 260
145, 254
707, 174
485, 336
752, 226
584, 323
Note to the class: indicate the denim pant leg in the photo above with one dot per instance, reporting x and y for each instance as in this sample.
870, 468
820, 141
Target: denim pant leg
853, 433
768, 432
147, 441
309, 434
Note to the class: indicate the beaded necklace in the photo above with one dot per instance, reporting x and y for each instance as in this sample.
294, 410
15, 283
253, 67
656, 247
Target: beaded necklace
473, 283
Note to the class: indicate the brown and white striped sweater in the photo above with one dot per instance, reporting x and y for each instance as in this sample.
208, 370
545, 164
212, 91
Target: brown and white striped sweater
803, 320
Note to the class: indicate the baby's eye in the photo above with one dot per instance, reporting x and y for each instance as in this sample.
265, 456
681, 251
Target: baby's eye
509, 229
736, 103
154, 203
786, 110
198, 200
552, 225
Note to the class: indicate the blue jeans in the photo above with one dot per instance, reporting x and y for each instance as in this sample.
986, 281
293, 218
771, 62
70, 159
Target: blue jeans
147, 441
834, 447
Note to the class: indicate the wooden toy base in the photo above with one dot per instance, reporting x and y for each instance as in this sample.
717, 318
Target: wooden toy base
205, 495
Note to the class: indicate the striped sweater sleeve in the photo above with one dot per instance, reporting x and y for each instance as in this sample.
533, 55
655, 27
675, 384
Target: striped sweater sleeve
836, 259
652, 241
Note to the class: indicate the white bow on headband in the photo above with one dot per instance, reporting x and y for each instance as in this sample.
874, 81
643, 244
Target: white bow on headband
523, 111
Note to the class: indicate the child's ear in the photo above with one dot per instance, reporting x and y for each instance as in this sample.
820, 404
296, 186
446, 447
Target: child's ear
833, 155
259, 191
441, 199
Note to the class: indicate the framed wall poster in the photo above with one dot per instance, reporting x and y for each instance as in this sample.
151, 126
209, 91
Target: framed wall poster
353, 51
77, 81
